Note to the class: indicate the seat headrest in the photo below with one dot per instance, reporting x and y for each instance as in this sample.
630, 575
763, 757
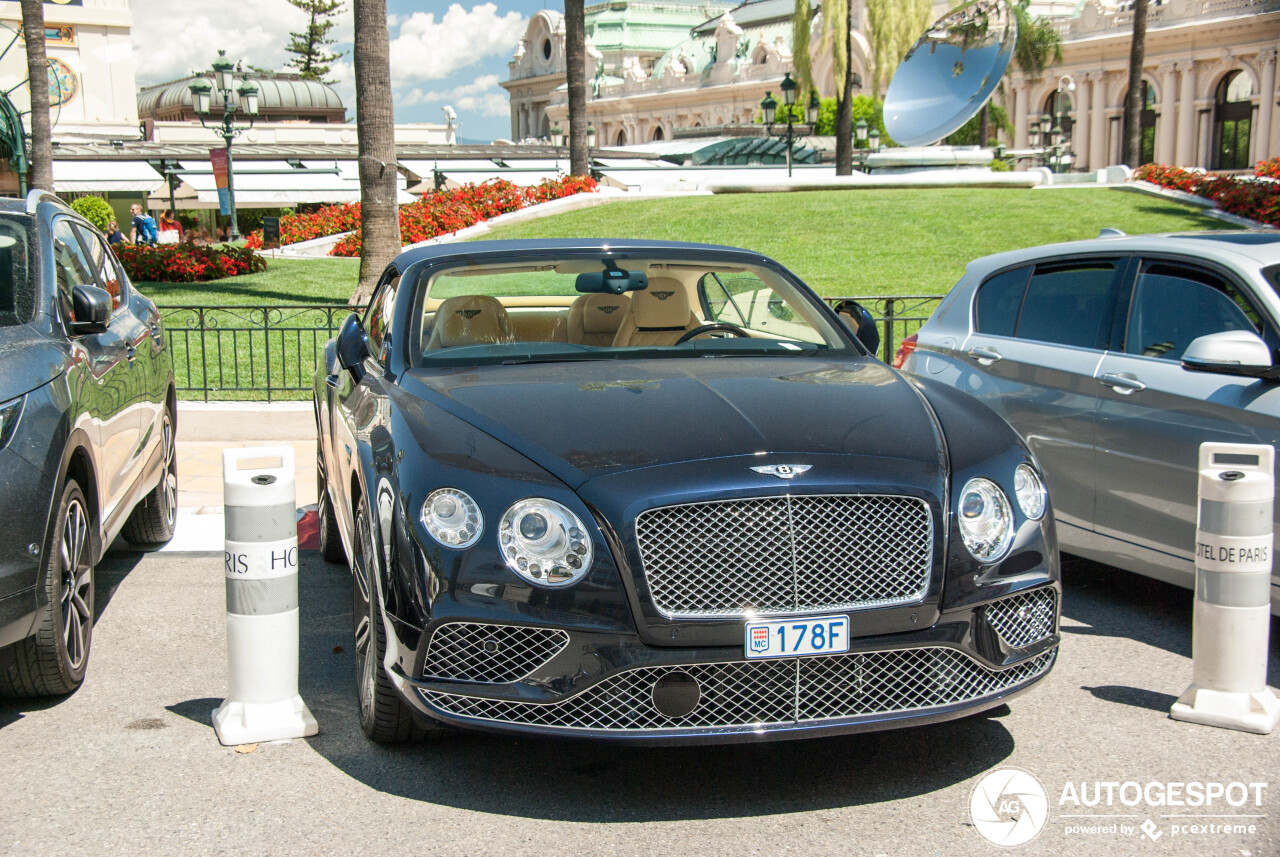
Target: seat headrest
472, 320
601, 313
665, 304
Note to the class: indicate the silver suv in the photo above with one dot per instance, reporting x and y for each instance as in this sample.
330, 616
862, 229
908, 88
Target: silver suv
1115, 358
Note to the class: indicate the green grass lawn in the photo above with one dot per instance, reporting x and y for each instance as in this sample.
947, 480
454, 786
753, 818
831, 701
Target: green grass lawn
286, 281
875, 242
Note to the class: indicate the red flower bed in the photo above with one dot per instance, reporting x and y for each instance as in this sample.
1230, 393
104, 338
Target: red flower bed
182, 263
436, 213
1257, 200
1267, 169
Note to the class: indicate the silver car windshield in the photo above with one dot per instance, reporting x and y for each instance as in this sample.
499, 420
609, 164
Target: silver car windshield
624, 309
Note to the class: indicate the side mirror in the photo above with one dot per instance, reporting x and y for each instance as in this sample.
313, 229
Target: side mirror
352, 346
1232, 352
91, 307
858, 320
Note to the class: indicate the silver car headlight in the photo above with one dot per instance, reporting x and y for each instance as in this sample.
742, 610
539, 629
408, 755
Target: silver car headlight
986, 520
452, 518
545, 542
1028, 487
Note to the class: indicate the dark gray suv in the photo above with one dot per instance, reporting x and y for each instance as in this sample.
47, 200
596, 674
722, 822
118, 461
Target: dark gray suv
1115, 359
86, 435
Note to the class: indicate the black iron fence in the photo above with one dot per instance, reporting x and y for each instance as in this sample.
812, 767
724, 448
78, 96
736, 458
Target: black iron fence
271, 352
248, 352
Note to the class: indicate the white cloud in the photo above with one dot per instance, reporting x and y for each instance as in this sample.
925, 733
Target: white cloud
427, 49
482, 96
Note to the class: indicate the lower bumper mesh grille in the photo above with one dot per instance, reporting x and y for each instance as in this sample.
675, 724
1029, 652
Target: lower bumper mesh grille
490, 654
764, 693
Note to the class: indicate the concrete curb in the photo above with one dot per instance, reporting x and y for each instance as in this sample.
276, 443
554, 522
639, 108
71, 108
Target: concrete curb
240, 422
1210, 208
940, 179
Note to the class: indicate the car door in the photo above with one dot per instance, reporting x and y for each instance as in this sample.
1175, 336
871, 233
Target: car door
1153, 414
110, 387
1038, 335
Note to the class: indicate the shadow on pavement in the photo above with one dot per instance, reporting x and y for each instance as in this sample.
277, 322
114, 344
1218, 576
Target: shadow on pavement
1134, 696
108, 575
594, 782
1110, 602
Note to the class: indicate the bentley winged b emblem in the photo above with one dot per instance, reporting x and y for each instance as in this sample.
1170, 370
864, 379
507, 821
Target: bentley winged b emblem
783, 471
468, 313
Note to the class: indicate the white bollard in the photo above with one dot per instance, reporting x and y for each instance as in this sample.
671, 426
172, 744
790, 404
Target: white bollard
1232, 619
261, 564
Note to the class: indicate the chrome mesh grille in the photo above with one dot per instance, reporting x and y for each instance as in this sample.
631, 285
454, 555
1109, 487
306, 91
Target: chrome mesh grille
765, 693
1023, 619
782, 554
491, 654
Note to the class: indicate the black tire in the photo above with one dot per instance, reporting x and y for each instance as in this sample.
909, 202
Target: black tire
152, 521
330, 538
53, 661
384, 716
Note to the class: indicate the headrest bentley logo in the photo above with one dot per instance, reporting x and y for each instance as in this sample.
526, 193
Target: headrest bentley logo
662, 296
609, 309
783, 471
468, 313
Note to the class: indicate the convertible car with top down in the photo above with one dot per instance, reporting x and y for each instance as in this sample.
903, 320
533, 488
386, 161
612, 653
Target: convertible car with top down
657, 491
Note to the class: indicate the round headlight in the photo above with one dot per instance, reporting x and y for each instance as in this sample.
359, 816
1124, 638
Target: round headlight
452, 518
986, 521
545, 542
1029, 489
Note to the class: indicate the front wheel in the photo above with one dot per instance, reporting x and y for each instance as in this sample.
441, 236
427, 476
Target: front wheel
330, 538
53, 662
384, 716
152, 521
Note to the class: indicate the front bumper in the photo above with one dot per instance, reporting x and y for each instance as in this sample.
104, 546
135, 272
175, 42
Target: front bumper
603, 686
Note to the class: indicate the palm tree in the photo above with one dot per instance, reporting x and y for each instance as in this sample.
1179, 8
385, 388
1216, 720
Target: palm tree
1038, 46
836, 30
575, 65
1133, 100
375, 131
40, 158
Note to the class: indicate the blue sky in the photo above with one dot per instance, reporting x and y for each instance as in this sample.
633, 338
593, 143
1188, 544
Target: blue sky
442, 53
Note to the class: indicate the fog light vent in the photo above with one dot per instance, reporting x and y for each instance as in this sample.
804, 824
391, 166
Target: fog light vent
490, 654
676, 694
1025, 618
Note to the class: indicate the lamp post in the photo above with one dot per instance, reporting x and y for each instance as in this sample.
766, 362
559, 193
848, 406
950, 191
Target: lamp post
769, 107
1065, 85
226, 84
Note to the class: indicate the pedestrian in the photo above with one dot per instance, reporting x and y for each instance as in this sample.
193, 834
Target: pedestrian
143, 226
170, 230
114, 235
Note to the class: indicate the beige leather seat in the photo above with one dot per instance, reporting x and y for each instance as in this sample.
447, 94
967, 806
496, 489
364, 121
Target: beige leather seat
594, 319
470, 320
658, 315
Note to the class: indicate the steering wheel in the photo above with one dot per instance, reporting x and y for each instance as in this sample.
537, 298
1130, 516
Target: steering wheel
711, 328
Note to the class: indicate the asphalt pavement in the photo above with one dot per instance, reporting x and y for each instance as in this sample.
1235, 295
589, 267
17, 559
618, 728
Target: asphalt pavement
130, 765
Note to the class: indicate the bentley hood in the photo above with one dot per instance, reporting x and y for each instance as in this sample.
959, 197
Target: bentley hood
581, 420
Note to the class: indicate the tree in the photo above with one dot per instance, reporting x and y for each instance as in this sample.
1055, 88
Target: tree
375, 132
40, 157
836, 32
311, 56
1133, 99
895, 25
575, 64
1038, 46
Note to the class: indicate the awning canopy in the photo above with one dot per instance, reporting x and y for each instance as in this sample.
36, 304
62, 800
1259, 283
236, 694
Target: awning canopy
105, 176
522, 172
271, 184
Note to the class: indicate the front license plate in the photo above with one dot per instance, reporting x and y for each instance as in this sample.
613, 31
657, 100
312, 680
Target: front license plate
785, 638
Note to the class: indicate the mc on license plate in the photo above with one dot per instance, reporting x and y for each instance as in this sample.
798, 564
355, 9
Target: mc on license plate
781, 638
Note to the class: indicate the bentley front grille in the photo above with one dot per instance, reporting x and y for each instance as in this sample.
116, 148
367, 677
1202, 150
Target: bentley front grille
760, 694
771, 555
1025, 618
490, 654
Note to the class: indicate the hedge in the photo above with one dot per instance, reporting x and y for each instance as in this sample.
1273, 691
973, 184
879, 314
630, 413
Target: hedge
183, 263
1256, 198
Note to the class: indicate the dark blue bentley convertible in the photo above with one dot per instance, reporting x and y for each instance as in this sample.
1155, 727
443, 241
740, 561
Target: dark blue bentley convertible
658, 491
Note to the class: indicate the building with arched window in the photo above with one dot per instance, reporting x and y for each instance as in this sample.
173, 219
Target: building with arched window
1209, 82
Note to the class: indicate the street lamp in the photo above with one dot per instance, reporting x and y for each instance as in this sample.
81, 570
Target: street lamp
769, 107
815, 106
225, 83
1065, 84
591, 136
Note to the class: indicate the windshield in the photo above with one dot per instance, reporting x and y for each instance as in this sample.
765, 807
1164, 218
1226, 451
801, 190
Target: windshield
17, 292
598, 309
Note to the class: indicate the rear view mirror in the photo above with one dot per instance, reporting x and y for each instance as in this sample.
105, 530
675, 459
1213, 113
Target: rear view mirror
1232, 352
91, 307
859, 321
352, 346
613, 281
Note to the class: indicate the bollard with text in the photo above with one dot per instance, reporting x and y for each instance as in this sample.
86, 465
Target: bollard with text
1232, 619
261, 566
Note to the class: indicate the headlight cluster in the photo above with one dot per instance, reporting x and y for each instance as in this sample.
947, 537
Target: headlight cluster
986, 518
541, 540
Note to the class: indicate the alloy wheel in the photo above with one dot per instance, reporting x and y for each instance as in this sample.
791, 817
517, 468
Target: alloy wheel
76, 570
